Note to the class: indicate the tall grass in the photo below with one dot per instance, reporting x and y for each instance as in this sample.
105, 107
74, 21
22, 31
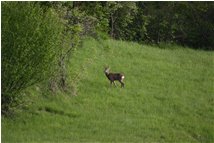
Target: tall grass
168, 97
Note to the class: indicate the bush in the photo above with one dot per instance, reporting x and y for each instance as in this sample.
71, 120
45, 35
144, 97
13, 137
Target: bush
31, 40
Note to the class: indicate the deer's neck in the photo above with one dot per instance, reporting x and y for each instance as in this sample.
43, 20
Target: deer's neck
107, 74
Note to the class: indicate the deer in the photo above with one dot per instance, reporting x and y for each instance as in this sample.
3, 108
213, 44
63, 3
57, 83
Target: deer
114, 76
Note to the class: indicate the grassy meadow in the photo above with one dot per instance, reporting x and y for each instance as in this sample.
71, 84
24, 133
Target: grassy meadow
168, 97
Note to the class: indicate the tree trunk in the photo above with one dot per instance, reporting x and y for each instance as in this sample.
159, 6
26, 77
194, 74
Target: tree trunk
112, 25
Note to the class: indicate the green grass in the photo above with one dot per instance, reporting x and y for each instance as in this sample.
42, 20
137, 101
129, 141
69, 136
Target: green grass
168, 97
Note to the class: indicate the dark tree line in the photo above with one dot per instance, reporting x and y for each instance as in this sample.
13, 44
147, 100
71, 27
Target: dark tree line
38, 37
185, 23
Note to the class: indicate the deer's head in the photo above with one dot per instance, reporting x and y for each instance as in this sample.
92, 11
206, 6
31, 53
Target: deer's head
106, 70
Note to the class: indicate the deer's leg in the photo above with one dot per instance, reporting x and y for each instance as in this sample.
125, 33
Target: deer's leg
122, 84
114, 83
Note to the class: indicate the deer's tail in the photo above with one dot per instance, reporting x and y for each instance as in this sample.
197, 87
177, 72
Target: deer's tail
122, 77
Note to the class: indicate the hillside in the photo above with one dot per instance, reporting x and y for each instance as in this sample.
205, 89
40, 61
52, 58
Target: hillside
168, 97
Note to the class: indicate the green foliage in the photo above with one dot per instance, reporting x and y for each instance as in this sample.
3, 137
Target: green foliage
121, 14
99, 11
31, 46
198, 25
185, 23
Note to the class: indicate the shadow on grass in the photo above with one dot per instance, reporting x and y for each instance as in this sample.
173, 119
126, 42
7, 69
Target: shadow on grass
58, 112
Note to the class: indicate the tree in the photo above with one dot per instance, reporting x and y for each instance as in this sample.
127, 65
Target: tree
121, 15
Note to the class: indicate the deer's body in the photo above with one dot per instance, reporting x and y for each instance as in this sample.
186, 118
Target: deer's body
114, 76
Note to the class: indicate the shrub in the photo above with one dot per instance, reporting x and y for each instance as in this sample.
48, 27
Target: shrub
31, 40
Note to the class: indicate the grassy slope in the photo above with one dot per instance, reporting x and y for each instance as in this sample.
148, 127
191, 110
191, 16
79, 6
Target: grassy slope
168, 97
